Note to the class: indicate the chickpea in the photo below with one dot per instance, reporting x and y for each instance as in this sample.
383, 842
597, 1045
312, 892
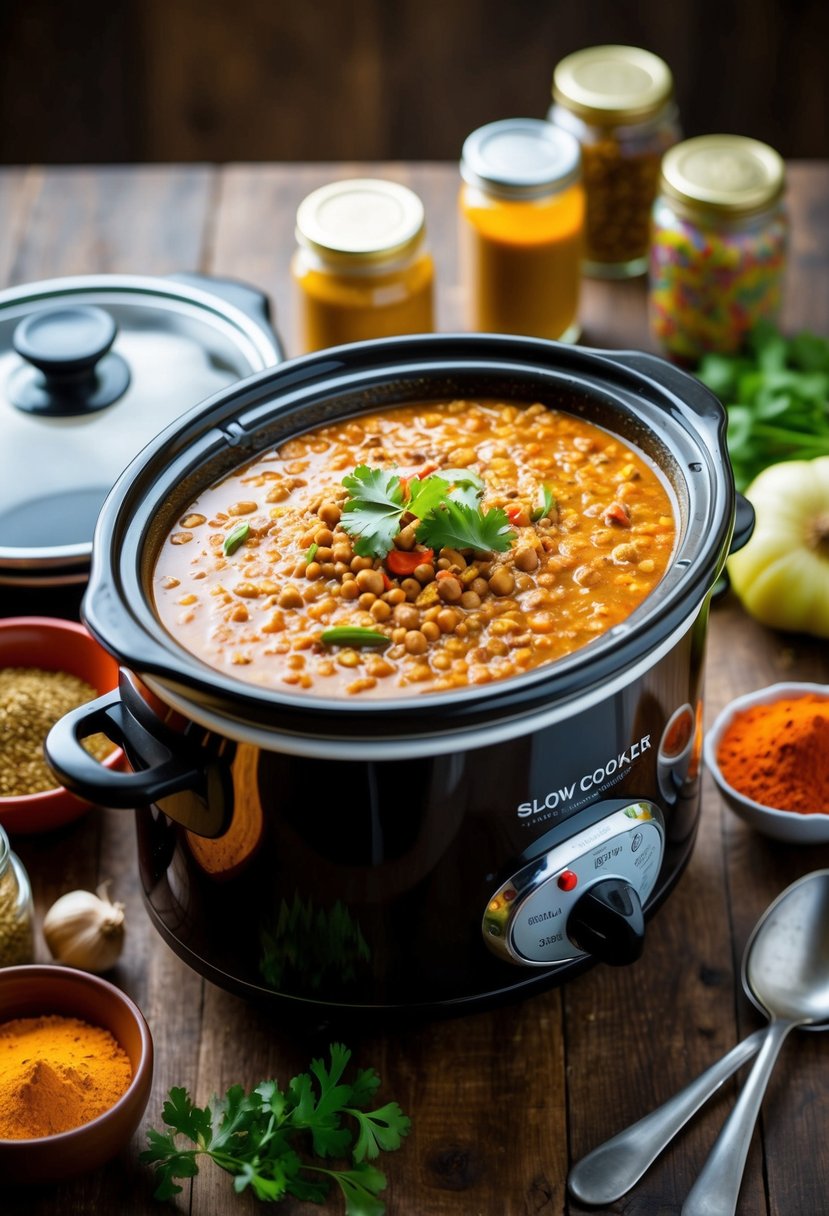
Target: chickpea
348, 658
430, 630
502, 582
324, 536
411, 587
585, 576
526, 559
242, 508
406, 538
193, 521
342, 552
480, 586
329, 513
324, 553
407, 616
366, 600
415, 642
380, 611
470, 599
454, 558
542, 622
350, 590
378, 667
289, 597
424, 573
313, 570
370, 580
450, 590
447, 619
361, 563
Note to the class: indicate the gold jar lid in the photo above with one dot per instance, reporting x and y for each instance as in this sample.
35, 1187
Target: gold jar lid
725, 175
361, 220
613, 84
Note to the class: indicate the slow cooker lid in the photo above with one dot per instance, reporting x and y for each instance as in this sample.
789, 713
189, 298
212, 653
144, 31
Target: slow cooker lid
91, 369
661, 410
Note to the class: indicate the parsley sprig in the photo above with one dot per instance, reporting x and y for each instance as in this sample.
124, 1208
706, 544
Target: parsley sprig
447, 506
258, 1136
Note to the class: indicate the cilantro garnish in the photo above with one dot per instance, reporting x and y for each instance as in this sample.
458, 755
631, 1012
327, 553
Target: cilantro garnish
457, 526
545, 501
446, 505
257, 1137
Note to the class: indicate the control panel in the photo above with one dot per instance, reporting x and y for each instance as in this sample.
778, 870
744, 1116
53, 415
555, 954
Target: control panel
584, 896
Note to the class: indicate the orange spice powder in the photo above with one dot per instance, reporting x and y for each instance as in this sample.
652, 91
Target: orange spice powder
57, 1073
778, 754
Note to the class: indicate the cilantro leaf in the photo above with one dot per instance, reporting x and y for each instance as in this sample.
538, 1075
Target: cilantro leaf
251, 1136
544, 503
458, 526
379, 1129
373, 509
425, 495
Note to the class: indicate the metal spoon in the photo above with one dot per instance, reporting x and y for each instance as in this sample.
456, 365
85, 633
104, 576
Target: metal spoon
786, 974
611, 1169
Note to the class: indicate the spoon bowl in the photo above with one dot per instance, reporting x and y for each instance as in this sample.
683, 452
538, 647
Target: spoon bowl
786, 973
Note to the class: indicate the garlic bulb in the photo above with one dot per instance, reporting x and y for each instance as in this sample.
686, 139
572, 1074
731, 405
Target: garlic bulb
85, 930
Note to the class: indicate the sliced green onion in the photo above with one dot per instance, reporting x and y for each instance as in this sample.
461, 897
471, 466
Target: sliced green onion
353, 635
311, 554
544, 503
234, 538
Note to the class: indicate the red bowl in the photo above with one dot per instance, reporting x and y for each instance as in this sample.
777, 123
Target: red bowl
53, 645
38, 990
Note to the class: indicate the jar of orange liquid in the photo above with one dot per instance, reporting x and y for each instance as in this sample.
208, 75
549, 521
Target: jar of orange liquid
361, 267
522, 225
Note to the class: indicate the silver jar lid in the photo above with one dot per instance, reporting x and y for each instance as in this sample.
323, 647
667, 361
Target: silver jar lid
91, 368
521, 158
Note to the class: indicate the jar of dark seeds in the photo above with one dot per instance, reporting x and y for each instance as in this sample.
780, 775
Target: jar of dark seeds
16, 911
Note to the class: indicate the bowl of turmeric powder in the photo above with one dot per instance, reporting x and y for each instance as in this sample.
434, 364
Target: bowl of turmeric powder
768, 752
76, 1064
47, 667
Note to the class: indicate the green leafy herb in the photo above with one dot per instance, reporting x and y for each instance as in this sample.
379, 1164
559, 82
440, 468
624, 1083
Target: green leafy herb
457, 526
443, 503
311, 554
373, 509
235, 537
544, 503
353, 635
777, 396
258, 1137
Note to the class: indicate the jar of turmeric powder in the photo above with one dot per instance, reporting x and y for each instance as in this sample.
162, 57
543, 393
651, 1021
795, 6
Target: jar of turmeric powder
361, 268
522, 223
618, 102
16, 910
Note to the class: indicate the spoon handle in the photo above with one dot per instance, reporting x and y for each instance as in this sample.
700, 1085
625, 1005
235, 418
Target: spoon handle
716, 1189
610, 1170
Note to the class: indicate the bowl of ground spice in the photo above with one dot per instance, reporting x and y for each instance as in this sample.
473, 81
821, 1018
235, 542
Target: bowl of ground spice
768, 752
76, 1063
47, 667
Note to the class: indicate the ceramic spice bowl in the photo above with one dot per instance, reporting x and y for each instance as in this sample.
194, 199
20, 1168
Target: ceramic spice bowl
792, 826
51, 644
42, 990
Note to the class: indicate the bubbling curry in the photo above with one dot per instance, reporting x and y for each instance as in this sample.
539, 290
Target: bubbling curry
421, 548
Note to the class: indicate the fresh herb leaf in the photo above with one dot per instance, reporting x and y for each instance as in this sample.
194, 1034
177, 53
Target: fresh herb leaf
373, 509
458, 526
467, 486
353, 635
776, 393
544, 503
252, 1136
425, 495
311, 553
235, 537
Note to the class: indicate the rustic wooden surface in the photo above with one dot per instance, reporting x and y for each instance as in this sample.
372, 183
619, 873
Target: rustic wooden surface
501, 1101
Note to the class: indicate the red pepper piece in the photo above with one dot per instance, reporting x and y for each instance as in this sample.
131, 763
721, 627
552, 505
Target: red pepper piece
515, 514
617, 513
402, 563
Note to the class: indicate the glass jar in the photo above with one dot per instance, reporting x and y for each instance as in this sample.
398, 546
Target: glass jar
618, 102
361, 268
522, 225
719, 243
16, 910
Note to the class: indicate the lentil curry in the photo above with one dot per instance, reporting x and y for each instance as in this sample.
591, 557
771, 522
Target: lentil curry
421, 548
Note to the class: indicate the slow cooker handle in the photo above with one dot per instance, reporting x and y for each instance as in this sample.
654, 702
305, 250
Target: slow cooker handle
84, 775
744, 520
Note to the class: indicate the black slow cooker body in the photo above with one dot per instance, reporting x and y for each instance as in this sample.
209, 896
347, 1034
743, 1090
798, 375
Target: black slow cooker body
438, 851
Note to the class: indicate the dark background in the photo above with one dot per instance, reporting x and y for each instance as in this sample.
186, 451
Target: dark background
223, 80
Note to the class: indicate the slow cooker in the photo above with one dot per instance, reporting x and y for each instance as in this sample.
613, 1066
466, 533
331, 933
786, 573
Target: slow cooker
431, 853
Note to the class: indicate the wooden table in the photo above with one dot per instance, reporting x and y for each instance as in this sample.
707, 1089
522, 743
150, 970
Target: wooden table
501, 1102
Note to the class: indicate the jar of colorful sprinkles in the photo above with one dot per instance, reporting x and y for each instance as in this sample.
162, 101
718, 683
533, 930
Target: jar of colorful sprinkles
718, 245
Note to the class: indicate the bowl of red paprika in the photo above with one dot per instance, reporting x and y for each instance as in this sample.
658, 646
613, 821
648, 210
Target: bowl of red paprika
768, 752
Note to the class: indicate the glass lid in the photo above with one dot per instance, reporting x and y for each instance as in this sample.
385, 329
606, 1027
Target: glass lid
91, 369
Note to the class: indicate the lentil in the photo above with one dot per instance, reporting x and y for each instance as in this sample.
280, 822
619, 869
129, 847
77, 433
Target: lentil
462, 616
31, 702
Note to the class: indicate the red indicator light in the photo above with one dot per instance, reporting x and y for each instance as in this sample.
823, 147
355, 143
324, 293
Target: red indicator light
567, 880
509, 894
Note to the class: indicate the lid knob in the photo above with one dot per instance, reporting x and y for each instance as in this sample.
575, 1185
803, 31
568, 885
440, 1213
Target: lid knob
69, 366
